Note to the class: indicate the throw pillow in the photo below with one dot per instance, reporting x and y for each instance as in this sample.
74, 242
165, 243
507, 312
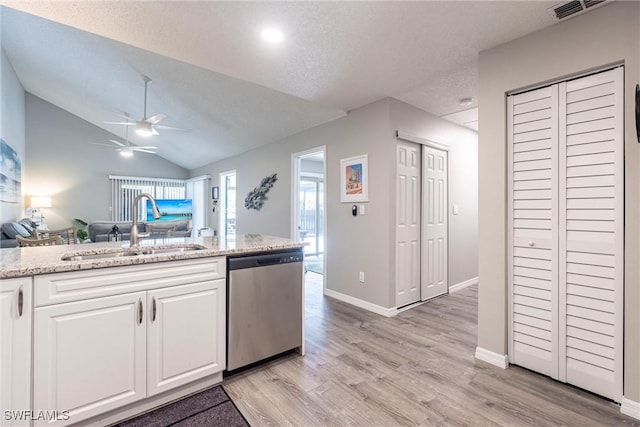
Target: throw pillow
28, 224
13, 229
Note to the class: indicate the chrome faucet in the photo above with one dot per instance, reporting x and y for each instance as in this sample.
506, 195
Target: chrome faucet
134, 235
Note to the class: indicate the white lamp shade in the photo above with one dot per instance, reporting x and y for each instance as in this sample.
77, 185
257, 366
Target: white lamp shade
41, 202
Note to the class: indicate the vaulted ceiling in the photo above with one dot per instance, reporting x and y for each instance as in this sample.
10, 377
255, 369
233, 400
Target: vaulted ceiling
214, 76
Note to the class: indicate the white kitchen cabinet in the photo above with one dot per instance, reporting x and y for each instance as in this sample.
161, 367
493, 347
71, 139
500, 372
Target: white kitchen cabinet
186, 336
145, 330
15, 350
90, 355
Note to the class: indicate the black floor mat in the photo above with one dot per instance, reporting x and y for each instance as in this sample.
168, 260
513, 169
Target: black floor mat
209, 408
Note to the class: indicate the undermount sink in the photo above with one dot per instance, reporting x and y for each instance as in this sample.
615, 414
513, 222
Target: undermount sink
131, 252
169, 250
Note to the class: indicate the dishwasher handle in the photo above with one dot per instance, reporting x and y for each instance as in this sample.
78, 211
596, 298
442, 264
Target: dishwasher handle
266, 259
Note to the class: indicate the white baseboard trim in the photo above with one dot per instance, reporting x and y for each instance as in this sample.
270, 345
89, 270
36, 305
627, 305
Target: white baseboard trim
462, 285
366, 305
499, 360
630, 408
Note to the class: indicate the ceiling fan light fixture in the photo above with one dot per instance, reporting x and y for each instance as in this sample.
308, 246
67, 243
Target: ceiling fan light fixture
272, 35
126, 152
144, 129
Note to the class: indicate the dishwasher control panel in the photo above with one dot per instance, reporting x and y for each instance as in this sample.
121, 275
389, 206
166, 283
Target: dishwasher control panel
261, 260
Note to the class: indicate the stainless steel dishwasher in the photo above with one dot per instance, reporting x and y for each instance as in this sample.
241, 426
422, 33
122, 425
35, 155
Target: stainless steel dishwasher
264, 306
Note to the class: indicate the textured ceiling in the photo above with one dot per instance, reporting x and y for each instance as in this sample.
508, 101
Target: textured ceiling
214, 76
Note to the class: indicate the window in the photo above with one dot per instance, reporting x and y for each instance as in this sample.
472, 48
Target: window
124, 189
228, 203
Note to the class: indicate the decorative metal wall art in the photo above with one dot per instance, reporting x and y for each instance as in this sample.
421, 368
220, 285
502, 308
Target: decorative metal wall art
256, 197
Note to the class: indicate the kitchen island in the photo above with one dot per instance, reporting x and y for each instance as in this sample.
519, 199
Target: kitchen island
31, 261
96, 333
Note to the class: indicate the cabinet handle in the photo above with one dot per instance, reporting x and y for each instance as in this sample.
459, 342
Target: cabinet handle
153, 309
140, 311
20, 305
531, 243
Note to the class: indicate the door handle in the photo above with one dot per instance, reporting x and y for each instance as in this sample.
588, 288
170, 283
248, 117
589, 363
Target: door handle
140, 311
20, 305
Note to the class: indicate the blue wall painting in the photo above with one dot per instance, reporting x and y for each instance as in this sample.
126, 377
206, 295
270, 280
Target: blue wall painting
171, 209
10, 174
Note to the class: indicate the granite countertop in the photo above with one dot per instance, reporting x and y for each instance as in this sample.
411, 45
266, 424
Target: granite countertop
31, 261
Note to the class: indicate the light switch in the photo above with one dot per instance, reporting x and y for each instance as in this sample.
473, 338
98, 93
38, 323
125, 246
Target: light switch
361, 209
456, 211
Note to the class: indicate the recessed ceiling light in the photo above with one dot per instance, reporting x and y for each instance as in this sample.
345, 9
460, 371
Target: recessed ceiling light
466, 102
272, 35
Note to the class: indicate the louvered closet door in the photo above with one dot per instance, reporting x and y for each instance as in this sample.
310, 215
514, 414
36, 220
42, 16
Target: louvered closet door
566, 224
591, 232
533, 218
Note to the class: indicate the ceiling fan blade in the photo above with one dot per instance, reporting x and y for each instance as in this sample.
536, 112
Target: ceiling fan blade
101, 143
119, 123
144, 151
170, 128
117, 142
155, 119
125, 116
145, 147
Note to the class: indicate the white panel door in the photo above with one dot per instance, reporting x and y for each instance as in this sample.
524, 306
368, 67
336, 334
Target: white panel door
15, 348
592, 232
186, 334
533, 228
408, 224
434, 281
90, 356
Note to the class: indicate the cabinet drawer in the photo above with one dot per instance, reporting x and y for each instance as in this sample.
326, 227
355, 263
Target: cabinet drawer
81, 285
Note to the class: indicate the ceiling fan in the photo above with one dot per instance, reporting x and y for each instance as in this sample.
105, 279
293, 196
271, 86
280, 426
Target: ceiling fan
147, 126
126, 149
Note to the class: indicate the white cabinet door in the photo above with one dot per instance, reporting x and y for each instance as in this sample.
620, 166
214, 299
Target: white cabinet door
90, 356
15, 350
186, 334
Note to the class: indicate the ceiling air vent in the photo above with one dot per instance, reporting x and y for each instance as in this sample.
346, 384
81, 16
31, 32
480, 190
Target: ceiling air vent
572, 8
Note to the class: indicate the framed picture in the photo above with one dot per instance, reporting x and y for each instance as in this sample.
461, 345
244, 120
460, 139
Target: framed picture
354, 179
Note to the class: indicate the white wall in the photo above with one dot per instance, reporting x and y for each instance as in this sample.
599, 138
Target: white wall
61, 164
363, 243
353, 244
314, 167
608, 35
12, 124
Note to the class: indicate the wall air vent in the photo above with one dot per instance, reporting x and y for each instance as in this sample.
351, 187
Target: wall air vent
571, 8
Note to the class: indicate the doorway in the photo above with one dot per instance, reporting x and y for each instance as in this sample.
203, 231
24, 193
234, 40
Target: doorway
228, 203
308, 206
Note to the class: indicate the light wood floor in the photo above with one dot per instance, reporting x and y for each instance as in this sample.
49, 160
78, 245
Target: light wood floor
414, 369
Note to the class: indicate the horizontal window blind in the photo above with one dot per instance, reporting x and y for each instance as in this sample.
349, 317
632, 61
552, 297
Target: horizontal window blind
124, 189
